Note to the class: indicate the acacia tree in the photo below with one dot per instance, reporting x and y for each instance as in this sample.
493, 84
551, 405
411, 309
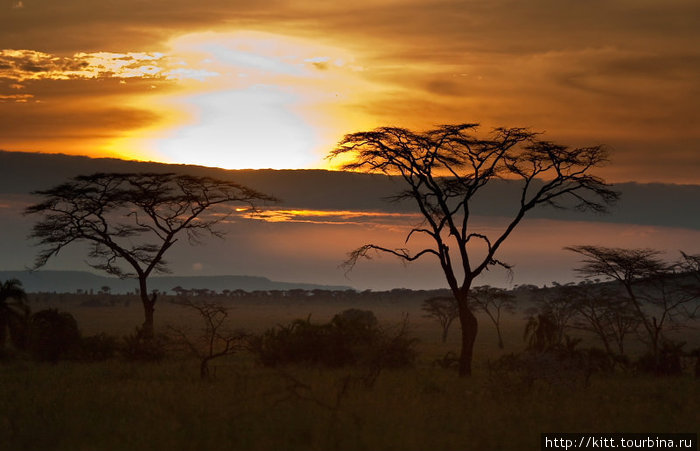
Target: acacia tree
602, 311
494, 302
650, 290
132, 219
445, 168
444, 310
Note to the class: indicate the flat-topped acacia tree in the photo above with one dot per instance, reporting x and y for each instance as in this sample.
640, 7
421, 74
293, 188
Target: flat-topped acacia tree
132, 219
444, 169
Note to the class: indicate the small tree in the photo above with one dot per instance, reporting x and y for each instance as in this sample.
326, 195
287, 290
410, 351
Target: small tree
132, 219
444, 310
14, 313
494, 302
215, 340
444, 169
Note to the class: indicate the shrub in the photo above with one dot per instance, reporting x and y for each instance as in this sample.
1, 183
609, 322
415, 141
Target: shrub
393, 351
98, 347
300, 342
139, 347
561, 365
352, 337
53, 335
667, 362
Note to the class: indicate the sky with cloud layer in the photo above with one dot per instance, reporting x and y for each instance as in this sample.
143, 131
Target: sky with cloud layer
239, 84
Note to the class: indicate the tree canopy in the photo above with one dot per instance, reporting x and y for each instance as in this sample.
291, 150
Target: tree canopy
444, 169
131, 219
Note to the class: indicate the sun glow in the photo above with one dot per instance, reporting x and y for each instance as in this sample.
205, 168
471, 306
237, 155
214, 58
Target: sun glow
253, 100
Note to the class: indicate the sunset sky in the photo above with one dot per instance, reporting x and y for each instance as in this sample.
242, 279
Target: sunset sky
240, 84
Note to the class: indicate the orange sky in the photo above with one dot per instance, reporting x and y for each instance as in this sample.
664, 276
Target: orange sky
276, 84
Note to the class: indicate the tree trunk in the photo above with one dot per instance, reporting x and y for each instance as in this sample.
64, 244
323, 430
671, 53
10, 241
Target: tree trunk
148, 309
204, 368
469, 326
500, 337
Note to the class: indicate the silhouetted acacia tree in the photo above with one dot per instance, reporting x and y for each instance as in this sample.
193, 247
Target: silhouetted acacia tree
600, 309
132, 219
14, 313
444, 169
494, 302
652, 292
444, 310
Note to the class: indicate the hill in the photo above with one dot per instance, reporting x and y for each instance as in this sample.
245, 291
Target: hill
72, 281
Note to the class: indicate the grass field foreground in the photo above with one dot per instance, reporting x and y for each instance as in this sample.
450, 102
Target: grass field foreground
126, 406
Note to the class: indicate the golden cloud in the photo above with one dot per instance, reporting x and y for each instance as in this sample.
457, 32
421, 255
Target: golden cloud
23, 65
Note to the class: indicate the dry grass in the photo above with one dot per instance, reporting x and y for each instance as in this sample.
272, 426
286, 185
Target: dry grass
117, 405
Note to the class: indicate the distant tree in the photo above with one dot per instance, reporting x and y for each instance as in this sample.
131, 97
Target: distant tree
14, 313
105, 290
442, 309
601, 309
494, 302
443, 171
649, 286
132, 219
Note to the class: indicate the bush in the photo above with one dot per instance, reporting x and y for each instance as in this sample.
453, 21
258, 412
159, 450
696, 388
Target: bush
561, 365
668, 361
352, 337
139, 347
98, 347
53, 335
392, 351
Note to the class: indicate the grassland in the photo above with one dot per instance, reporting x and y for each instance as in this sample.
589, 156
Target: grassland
119, 405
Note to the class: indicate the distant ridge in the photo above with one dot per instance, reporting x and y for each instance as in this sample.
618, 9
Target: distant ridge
72, 281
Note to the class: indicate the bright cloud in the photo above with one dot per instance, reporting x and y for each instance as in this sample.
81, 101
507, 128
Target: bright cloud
23, 65
269, 101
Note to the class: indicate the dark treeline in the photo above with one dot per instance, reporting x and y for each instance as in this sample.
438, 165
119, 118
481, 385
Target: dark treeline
103, 297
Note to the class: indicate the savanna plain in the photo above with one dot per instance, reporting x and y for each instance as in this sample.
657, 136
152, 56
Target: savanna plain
123, 401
